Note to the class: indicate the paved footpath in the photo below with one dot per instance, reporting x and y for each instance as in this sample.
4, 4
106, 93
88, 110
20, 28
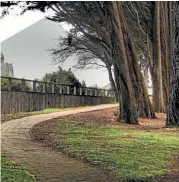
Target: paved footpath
46, 164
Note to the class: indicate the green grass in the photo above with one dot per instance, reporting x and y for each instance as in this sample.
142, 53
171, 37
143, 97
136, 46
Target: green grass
11, 172
127, 153
7, 117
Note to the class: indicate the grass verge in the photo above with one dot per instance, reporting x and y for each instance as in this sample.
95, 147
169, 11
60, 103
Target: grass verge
8, 117
11, 172
128, 154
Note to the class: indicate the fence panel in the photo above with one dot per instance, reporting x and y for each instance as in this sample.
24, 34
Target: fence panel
22, 95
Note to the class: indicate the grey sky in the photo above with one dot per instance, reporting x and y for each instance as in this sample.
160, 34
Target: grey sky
27, 51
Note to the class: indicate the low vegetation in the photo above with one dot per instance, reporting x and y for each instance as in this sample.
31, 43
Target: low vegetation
131, 155
12, 172
8, 117
128, 152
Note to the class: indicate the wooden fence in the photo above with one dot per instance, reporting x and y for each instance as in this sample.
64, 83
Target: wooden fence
20, 95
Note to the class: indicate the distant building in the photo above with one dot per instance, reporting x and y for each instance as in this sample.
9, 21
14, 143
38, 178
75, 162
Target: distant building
6, 68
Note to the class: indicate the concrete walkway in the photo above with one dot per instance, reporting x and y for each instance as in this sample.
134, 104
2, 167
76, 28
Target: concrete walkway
47, 165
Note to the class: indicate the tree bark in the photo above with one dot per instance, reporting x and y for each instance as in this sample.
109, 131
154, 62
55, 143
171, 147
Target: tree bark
134, 98
128, 97
173, 107
159, 104
164, 32
145, 108
157, 52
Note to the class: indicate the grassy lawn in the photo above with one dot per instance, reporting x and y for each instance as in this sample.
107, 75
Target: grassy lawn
11, 172
130, 154
7, 117
127, 153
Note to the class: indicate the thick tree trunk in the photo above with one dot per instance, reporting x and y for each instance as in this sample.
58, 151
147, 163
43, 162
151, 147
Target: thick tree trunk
128, 97
170, 38
164, 32
173, 107
143, 104
159, 104
158, 56
145, 108
127, 113
134, 98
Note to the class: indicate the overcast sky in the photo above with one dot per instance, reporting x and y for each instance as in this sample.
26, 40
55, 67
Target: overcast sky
24, 43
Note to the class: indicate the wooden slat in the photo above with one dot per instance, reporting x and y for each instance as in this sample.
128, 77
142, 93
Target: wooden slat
13, 102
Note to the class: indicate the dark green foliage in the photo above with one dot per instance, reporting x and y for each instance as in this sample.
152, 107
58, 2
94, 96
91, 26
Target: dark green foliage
62, 77
16, 85
83, 84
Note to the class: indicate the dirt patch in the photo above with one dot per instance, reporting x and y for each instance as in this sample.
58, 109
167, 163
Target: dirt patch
173, 174
101, 117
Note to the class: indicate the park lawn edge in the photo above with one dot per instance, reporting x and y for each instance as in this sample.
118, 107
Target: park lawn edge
11, 171
8, 117
69, 139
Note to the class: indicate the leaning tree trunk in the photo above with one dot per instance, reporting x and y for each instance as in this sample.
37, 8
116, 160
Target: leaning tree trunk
145, 108
143, 104
128, 96
128, 112
173, 107
134, 98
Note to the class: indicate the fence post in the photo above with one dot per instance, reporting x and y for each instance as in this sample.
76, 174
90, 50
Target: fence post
74, 91
60, 89
85, 91
9, 84
68, 90
23, 85
100, 92
44, 88
80, 91
34, 86
91, 91
104, 93
53, 88
95, 92
113, 94
107, 93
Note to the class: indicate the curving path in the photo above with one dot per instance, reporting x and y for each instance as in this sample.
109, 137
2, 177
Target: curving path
47, 165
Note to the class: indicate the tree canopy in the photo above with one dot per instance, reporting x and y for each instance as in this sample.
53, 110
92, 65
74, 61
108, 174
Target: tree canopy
62, 77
